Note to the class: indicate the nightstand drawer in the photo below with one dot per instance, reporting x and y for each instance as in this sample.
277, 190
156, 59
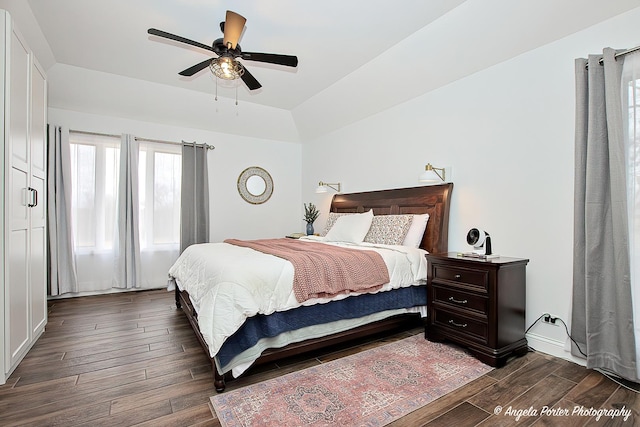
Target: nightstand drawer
463, 276
461, 325
460, 299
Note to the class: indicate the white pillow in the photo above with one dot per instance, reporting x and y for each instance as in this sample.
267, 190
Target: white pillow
416, 231
333, 217
350, 228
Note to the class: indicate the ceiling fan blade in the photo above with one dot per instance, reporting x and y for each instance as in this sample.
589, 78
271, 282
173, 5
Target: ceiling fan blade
160, 33
249, 80
271, 58
196, 68
233, 26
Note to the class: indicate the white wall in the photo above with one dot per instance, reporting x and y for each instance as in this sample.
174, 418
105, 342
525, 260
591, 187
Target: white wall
231, 216
508, 134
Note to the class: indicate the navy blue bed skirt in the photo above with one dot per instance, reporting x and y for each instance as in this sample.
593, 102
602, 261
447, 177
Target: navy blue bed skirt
267, 326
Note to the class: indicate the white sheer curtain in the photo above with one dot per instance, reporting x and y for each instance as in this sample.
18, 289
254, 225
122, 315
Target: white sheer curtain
631, 105
159, 199
96, 161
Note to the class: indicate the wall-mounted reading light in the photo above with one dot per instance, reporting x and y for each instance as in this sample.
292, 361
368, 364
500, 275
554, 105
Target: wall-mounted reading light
322, 187
431, 174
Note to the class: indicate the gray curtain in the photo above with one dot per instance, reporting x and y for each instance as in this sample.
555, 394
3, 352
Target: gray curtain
602, 315
61, 261
194, 201
127, 268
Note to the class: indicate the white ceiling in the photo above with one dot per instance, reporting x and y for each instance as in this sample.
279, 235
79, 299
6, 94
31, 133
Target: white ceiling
331, 38
350, 53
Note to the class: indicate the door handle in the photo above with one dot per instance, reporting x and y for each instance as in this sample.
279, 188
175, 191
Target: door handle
34, 197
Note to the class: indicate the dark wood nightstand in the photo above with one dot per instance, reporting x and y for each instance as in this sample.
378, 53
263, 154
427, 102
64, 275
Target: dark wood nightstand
479, 304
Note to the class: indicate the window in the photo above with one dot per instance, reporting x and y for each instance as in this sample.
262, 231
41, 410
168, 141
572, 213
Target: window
631, 100
94, 185
159, 196
95, 163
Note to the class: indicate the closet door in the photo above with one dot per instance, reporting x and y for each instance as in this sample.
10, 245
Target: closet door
37, 157
17, 303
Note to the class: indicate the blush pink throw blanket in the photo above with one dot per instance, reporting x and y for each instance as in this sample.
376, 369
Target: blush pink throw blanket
324, 270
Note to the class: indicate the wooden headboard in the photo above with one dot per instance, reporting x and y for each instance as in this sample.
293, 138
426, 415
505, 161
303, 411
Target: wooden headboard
432, 199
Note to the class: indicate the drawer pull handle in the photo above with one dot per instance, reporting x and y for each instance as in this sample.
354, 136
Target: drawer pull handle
457, 276
459, 325
452, 299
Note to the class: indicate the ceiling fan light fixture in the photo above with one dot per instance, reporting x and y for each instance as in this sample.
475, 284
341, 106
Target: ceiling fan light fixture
226, 68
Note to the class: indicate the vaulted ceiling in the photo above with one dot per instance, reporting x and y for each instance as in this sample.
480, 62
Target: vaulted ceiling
360, 57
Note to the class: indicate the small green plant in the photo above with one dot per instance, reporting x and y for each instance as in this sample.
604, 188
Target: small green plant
310, 213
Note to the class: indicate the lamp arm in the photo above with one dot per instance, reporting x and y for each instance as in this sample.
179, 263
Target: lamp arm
331, 185
437, 173
429, 167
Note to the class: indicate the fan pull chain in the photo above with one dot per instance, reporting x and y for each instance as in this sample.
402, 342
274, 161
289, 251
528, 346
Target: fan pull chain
216, 97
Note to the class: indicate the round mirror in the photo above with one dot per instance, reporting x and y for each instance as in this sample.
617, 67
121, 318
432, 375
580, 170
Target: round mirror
255, 185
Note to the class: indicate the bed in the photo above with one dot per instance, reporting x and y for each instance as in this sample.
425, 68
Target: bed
237, 335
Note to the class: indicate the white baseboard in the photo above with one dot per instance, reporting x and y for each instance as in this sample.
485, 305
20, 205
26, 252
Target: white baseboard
552, 347
103, 292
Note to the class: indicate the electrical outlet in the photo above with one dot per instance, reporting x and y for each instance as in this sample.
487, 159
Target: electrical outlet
550, 320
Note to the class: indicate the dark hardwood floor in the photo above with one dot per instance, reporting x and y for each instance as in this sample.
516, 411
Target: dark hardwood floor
132, 359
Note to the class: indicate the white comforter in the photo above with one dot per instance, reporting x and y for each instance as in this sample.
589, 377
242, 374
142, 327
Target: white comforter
228, 283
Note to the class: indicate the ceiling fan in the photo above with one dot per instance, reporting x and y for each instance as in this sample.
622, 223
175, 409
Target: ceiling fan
226, 66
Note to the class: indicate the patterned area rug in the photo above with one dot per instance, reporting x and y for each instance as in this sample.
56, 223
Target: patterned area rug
370, 388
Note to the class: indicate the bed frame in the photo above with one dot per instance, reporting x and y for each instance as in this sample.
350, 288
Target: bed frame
434, 200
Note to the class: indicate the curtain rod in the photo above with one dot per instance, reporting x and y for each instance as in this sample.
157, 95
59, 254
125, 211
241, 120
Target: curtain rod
619, 54
628, 51
160, 141
204, 144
